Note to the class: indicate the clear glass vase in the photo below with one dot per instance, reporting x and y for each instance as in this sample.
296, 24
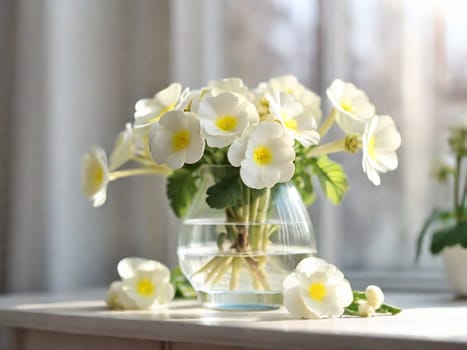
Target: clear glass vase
237, 257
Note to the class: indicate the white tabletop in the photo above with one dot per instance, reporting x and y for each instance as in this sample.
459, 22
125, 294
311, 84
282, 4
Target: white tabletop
428, 321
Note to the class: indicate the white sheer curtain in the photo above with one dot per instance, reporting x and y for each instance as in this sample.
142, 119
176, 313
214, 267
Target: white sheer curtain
80, 66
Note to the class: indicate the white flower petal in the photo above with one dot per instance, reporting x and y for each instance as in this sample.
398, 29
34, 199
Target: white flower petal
287, 171
380, 140
236, 152
117, 299
348, 124
310, 265
256, 177
166, 293
176, 160
372, 174
123, 149
126, 267
343, 294
294, 304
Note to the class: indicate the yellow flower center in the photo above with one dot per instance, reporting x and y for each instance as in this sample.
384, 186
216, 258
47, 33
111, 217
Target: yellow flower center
98, 176
317, 291
372, 148
145, 287
226, 122
291, 124
346, 107
264, 102
262, 155
180, 140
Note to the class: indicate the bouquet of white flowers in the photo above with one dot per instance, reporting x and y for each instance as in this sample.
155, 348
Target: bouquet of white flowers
273, 134
265, 136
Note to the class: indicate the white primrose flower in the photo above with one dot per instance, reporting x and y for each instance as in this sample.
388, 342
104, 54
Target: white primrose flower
298, 123
145, 282
353, 106
149, 110
374, 296
380, 140
116, 298
311, 103
290, 85
176, 139
316, 289
224, 117
123, 149
265, 156
95, 176
215, 87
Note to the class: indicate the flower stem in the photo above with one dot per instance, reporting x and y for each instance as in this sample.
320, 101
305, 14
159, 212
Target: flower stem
235, 275
328, 148
263, 210
154, 170
221, 272
463, 202
458, 207
328, 122
142, 160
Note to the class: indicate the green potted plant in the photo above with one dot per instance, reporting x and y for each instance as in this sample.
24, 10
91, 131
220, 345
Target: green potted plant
449, 226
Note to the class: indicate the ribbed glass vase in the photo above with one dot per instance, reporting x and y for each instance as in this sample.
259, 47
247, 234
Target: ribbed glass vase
237, 257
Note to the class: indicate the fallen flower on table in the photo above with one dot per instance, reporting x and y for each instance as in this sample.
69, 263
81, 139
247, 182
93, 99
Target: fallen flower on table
318, 289
145, 284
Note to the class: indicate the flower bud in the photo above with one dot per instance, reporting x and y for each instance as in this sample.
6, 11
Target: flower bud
443, 167
366, 310
458, 139
353, 143
374, 296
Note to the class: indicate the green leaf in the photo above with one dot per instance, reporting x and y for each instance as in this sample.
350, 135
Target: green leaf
449, 237
303, 183
332, 178
435, 216
181, 188
183, 288
226, 192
